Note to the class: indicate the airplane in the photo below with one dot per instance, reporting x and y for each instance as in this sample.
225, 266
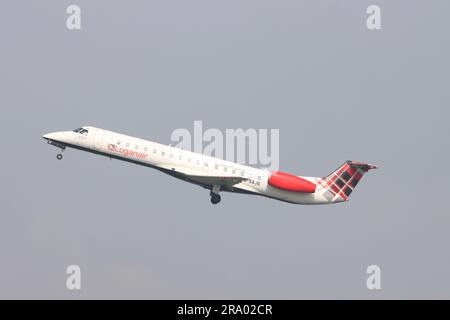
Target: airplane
211, 173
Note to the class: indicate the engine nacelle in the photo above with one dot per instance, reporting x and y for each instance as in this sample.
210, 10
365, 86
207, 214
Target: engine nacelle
289, 182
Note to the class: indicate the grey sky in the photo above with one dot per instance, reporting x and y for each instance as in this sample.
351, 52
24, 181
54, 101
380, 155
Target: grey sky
312, 69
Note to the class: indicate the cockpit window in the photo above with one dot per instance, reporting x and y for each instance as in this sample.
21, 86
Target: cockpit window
82, 131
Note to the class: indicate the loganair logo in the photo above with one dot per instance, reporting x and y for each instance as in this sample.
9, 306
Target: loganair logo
127, 152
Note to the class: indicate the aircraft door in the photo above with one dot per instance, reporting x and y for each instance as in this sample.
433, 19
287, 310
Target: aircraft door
97, 139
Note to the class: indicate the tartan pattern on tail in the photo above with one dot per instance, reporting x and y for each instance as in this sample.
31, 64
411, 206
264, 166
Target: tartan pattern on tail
341, 182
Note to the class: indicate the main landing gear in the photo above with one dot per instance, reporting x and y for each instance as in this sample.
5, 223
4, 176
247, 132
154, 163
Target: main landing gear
215, 196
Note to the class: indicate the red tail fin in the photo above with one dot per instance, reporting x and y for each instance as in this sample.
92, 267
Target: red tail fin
340, 183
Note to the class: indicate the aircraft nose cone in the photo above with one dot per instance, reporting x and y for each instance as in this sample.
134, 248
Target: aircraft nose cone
49, 136
59, 135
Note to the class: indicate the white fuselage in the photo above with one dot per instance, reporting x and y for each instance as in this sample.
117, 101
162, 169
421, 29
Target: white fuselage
170, 159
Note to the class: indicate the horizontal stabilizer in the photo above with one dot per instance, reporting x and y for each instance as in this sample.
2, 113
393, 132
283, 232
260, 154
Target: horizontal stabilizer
361, 165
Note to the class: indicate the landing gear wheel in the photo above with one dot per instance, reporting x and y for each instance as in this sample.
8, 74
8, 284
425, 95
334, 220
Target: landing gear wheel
215, 198
59, 156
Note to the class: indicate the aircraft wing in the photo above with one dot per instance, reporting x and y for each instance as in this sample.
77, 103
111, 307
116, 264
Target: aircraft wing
205, 177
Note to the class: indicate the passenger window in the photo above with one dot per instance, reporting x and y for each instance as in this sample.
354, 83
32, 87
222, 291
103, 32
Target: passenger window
154, 150
145, 148
136, 147
127, 144
118, 142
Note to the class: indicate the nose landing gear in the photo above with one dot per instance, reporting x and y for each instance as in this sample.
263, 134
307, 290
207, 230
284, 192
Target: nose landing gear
59, 156
59, 145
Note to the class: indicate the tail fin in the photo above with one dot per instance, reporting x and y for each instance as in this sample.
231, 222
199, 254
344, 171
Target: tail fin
338, 185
